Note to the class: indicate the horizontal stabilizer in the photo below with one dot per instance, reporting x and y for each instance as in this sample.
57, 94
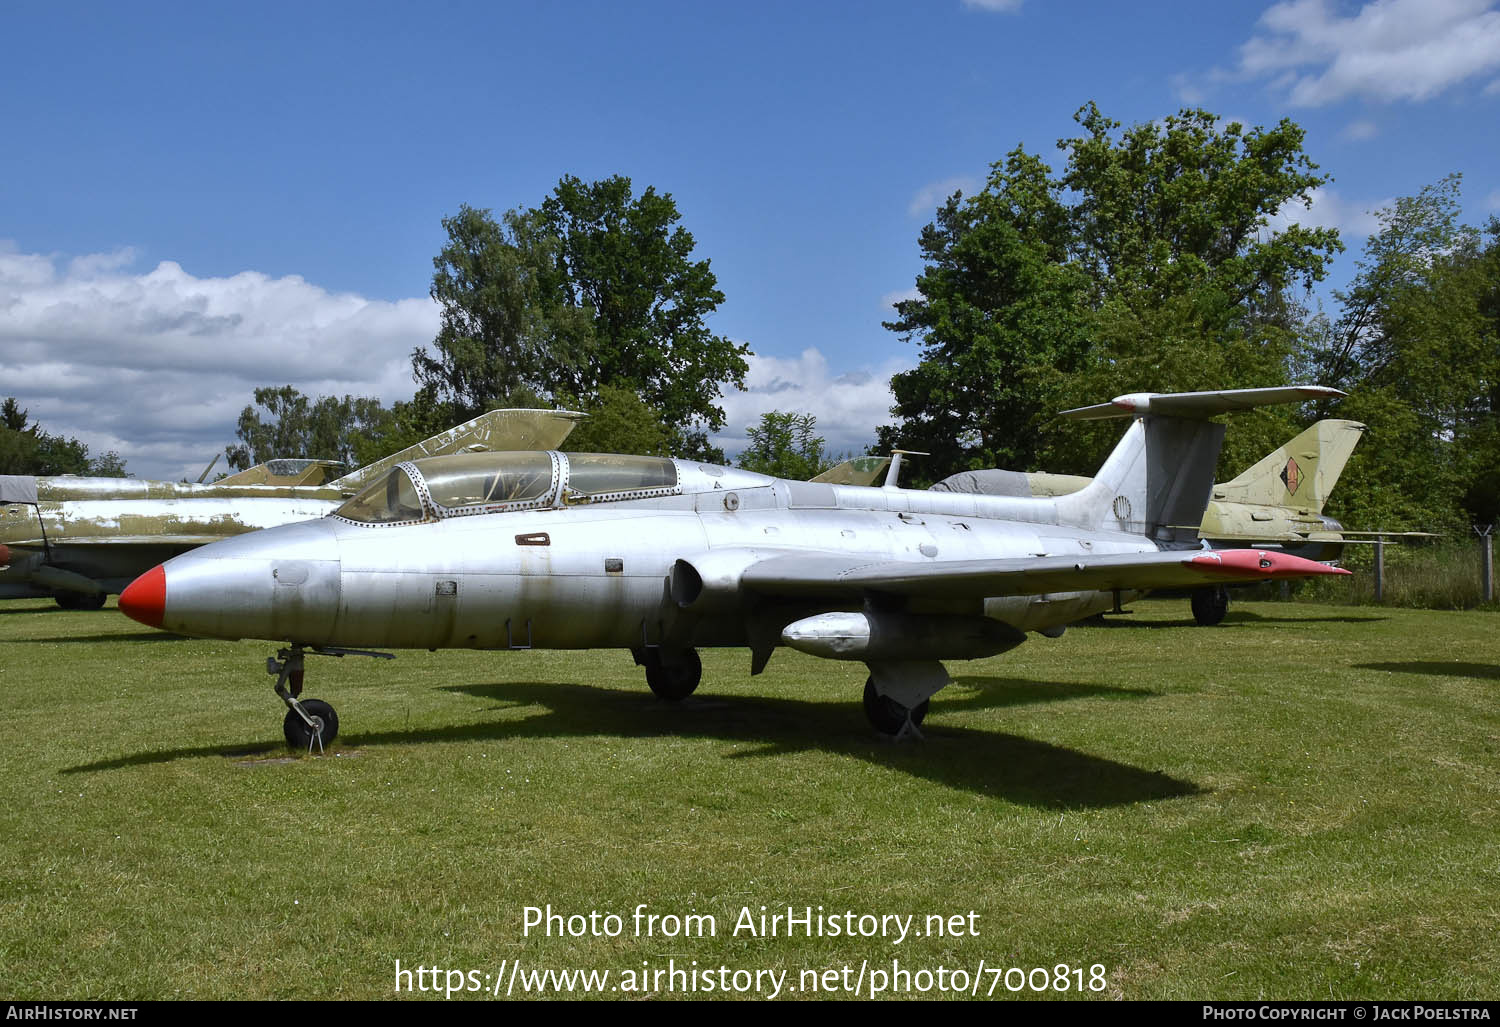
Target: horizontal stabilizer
1199, 404
827, 576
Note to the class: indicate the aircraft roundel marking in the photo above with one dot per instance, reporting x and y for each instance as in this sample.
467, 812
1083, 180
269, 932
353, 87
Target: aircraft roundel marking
1291, 475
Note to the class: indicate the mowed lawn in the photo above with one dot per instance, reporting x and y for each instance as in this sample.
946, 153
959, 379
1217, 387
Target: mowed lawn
1301, 803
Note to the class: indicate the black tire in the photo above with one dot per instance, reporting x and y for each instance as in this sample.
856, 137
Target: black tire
673, 681
80, 600
299, 736
1210, 605
888, 716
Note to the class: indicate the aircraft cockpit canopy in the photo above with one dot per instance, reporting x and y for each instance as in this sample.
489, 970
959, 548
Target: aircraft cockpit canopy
475, 483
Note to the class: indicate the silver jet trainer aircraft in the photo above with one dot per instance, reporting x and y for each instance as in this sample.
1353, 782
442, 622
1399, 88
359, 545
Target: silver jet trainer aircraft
524, 550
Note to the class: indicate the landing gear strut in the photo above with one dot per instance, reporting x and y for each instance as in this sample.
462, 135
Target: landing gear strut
891, 718
308, 722
673, 674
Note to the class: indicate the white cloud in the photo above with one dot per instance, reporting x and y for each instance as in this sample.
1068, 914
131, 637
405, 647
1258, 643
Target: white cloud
1387, 50
1359, 131
849, 406
890, 299
1492, 201
1354, 221
1006, 6
158, 365
931, 195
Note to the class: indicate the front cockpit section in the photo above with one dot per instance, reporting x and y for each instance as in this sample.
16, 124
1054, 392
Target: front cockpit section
467, 484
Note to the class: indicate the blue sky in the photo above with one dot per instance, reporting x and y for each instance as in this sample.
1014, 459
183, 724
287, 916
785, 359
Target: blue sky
198, 199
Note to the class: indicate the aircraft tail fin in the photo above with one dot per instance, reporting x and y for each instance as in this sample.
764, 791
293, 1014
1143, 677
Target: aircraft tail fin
1159, 476
1301, 473
496, 430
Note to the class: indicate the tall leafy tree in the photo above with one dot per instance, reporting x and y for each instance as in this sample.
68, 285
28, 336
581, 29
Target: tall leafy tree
1000, 318
1416, 345
289, 424
628, 261
618, 421
27, 449
1150, 263
596, 287
505, 331
785, 445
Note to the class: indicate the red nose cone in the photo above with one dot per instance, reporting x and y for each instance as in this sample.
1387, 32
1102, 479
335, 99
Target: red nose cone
145, 598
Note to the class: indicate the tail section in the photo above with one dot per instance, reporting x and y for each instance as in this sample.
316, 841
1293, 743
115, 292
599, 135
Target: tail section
1159, 478
1301, 473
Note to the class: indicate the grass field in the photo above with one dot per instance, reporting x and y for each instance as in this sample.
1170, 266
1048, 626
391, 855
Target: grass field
1301, 803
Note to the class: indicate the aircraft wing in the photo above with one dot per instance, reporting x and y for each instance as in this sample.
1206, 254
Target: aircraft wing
828, 576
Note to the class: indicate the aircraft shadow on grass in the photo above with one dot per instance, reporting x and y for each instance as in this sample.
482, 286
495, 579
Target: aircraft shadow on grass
123, 636
1439, 668
1234, 618
1006, 766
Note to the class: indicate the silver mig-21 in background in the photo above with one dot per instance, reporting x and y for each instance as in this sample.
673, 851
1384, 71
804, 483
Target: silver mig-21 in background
550, 550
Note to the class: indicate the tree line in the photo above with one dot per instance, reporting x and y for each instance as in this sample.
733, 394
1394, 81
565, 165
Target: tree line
26, 449
1165, 256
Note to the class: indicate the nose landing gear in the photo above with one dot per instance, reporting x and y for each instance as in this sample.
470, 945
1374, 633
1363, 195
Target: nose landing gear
308, 722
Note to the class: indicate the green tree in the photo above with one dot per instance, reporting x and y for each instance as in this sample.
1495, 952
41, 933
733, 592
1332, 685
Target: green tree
784, 445
1149, 264
1001, 319
619, 421
628, 261
288, 424
505, 332
597, 287
27, 449
1416, 346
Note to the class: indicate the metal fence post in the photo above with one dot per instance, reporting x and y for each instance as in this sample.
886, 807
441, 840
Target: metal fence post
1487, 562
1379, 570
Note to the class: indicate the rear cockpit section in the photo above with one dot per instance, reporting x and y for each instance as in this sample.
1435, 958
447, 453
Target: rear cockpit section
467, 484
602, 477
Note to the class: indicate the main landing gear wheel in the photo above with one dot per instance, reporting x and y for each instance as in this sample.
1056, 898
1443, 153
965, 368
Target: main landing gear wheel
1210, 605
887, 715
676, 680
301, 735
80, 600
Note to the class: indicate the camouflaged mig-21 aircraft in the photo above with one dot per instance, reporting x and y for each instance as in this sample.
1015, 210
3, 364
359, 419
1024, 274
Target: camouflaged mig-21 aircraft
1277, 502
661, 556
79, 539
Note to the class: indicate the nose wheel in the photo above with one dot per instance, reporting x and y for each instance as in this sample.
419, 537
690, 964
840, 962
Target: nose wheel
309, 722
312, 722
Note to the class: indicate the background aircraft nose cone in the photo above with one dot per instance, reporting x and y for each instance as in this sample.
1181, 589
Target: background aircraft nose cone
145, 598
